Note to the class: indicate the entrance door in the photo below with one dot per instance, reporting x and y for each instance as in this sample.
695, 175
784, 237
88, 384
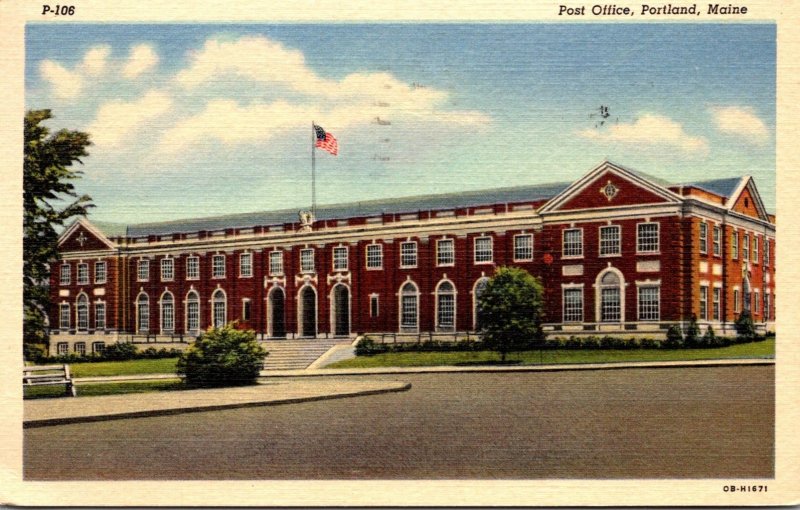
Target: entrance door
308, 312
276, 318
341, 310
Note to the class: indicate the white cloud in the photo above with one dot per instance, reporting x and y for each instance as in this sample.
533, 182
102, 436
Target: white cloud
116, 121
741, 122
95, 61
65, 84
650, 130
142, 58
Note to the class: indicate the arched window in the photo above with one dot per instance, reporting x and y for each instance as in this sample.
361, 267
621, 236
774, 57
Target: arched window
276, 306
192, 313
220, 312
445, 306
167, 313
409, 308
82, 308
480, 286
611, 298
143, 313
307, 311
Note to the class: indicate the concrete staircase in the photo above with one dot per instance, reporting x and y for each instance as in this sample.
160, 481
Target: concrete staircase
298, 353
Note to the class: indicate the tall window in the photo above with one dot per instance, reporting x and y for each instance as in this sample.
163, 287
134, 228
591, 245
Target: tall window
83, 312
276, 262
755, 249
65, 274
408, 307
167, 313
523, 247
649, 303
219, 309
610, 298
143, 270
445, 252
446, 307
756, 301
717, 241
193, 268
340, 258
477, 315
245, 265
484, 252
192, 313
64, 316
647, 238
167, 269
143, 314
746, 248
408, 254
218, 266
715, 303
735, 245
767, 309
99, 316
374, 256
610, 240
100, 272
307, 260
703, 237
573, 243
83, 274
374, 308
704, 302
737, 304
246, 310
573, 304
766, 252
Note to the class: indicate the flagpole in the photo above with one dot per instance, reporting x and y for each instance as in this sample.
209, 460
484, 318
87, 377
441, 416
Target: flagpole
313, 173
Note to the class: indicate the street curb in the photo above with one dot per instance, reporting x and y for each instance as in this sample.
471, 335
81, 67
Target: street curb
48, 422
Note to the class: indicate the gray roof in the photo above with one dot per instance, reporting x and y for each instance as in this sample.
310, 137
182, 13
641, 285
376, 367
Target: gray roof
723, 187
343, 211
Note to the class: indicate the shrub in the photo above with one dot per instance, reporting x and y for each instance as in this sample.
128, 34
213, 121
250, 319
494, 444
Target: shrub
120, 351
745, 329
693, 332
674, 336
709, 338
33, 352
222, 357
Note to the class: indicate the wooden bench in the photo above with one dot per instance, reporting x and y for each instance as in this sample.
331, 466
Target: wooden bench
48, 375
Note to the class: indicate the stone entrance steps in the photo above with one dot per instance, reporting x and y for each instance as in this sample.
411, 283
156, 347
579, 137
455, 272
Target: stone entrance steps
298, 353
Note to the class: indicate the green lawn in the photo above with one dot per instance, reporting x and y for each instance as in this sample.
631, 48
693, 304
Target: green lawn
93, 390
765, 349
131, 367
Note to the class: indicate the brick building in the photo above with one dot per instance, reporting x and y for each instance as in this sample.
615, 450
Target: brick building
619, 252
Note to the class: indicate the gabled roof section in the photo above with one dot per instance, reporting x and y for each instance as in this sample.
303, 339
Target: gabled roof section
83, 236
722, 187
628, 187
746, 200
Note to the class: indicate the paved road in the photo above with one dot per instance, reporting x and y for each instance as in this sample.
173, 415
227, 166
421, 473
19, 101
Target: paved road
646, 423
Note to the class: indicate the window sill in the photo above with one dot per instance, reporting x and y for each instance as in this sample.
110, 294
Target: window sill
375, 268
646, 253
523, 260
487, 263
572, 257
609, 255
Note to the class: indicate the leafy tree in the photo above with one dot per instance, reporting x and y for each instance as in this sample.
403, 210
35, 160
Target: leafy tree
511, 311
49, 200
222, 357
745, 328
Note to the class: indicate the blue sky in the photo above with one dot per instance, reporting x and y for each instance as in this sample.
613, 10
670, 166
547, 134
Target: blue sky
196, 120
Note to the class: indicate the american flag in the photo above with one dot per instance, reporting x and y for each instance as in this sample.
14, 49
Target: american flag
326, 141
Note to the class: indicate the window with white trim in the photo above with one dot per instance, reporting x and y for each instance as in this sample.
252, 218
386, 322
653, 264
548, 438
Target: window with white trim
445, 252
100, 272
80, 348
766, 251
167, 313
83, 274
245, 265
408, 254
523, 247
610, 240
246, 309
746, 248
143, 270
374, 307
340, 258
62, 348
143, 314
446, 307
572, 242
192, 313
704, 302
755, 249
374, 256
735, 245
737, 305
100, 316
98, 347
756, 301
484, 250
64, 316
647, 237
218, 266
767, 309
307, 260
66, 274
649, 302
717, 241
409, 299
703, 237
220, 311
193, 268
715, 302
276, 262
573, 304
82, 312
167, 269
610, 298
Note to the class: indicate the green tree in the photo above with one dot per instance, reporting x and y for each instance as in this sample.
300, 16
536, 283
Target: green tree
222, 357
49, 200
745, 327
511, 311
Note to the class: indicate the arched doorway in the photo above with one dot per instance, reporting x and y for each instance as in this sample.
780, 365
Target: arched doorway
340, 299
277, 321
308, 312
